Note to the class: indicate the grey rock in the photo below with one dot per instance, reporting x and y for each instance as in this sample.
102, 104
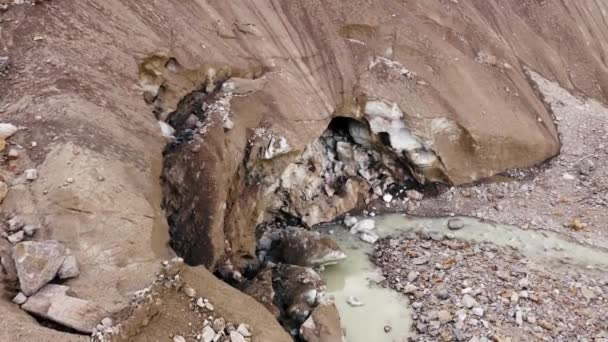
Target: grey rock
414, 195
31, 174
54, 303
420, 260
344, 151
69, 268
444, 316
37, 263
4, 61
190, 292
17, 237
7, 129
15, 223
236, 337
468, 301
219, 324
455, 224
477, 311
524, 283
307, 248
20, 298
584, 166
412, 276
442, 293
107, 322
30, 229
243, 329
208, 334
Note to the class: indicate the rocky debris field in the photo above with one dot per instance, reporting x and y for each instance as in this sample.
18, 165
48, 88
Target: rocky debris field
464, 291
338, 172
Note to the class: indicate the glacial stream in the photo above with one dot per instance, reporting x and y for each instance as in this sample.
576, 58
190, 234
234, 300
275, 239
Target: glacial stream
385, 314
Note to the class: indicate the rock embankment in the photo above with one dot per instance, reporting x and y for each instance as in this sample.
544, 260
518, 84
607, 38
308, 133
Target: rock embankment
464, 291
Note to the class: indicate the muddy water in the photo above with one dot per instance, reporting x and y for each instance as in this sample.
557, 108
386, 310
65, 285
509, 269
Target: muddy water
357, 276
542, 247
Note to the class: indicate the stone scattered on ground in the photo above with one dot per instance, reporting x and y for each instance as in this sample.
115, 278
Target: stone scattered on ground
37, 263
455, 224
69, 268
20, 298
7, 130
31, 174
4, 61
54, 302
481, 292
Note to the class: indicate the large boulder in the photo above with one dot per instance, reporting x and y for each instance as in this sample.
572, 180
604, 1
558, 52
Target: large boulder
37, 263
309, 248
55, 303
323, 325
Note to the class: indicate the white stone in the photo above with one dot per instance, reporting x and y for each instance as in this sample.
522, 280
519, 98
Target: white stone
353, 301
477, 311
568, 176
30, 229
236, 337
243, 329
20, 298
31, 174
190, 292
200, 302
468, 301
69, 268
166, 130
350, 221
7, 129
208, 334
276, 146
107, 322
387, 198
366, 225
16, 238
369, 237
178, 338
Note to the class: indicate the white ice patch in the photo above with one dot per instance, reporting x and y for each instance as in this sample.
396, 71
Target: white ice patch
387, 118
166, 130
276, 147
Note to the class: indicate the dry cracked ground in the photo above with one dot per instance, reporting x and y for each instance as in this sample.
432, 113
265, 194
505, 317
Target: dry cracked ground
165, 166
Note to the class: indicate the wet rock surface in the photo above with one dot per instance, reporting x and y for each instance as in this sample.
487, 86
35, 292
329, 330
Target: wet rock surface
470, 291
308, 248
